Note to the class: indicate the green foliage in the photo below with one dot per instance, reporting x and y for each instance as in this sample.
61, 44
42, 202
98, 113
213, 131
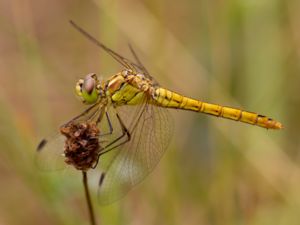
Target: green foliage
237, 53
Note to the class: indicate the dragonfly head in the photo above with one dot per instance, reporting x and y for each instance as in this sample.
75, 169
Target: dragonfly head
89, 89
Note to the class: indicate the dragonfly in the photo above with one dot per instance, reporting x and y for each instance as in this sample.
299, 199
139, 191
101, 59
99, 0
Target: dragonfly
131, 110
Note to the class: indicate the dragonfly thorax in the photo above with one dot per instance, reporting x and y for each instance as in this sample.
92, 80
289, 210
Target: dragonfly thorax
90, 89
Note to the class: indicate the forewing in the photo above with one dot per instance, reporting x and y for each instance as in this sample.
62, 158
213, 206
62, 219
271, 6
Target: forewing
151, 128
127, 63
50, 150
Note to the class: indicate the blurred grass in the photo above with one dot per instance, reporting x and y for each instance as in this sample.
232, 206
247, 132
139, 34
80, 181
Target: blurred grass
239, 53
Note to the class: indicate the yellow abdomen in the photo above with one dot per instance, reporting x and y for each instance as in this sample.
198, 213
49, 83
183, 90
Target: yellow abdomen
169, 99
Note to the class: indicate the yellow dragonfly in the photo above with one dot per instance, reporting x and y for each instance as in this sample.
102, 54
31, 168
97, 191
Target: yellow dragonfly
131, 110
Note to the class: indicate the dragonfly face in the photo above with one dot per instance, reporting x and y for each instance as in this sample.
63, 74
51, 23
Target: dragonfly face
89, 89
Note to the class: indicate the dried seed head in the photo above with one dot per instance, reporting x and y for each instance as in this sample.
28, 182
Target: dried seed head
82, 144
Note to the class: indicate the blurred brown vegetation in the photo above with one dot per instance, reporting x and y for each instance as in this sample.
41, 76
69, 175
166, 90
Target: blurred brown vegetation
242, 53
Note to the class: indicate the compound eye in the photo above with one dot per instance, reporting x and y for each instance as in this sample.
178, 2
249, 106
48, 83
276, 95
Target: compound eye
89, 92
89, 84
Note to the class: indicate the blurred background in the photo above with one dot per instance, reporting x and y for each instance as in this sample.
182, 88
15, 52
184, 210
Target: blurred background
241, 53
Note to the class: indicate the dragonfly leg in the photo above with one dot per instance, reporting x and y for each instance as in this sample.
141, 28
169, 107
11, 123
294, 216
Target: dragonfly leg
111, 129
125, 132
109, 146
82, 114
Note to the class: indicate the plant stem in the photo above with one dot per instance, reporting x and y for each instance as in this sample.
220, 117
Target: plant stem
88, 198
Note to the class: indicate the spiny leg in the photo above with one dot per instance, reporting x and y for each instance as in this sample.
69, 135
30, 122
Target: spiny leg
109, 146
125, 131
111, 129
83, 114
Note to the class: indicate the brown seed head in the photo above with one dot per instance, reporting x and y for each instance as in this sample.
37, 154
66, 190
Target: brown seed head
82, 144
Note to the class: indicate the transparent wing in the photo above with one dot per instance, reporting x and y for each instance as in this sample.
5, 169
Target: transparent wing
127, 63
50, 153
141, 67
50, 150
122, 168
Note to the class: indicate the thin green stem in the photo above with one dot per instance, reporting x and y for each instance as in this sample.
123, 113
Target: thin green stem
88, 198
